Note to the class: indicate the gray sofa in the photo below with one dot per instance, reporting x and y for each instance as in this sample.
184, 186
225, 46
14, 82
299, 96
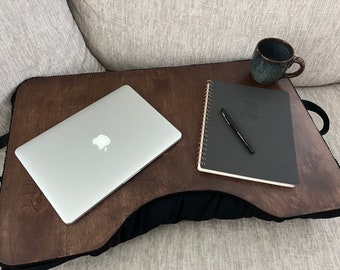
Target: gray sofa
44, 38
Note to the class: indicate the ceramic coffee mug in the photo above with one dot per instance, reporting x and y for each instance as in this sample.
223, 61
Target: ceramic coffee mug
271, 59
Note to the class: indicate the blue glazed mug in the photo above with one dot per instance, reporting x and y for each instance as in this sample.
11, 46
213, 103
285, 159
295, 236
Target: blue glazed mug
271, 59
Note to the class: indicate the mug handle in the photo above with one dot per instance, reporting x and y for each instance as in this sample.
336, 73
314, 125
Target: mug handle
301, 63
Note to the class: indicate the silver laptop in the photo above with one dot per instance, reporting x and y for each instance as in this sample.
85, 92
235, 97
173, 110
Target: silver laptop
83, 159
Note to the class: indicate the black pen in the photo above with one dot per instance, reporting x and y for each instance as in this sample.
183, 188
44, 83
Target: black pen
230, 123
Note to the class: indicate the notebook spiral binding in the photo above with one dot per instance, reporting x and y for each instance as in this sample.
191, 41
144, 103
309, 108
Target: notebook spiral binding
205, 125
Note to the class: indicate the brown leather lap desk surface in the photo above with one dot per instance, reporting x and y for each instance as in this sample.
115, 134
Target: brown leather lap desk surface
170, 189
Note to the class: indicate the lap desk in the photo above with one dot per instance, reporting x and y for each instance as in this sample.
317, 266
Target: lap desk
170, 189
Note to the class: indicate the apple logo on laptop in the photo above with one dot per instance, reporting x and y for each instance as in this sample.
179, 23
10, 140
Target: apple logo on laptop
102, 141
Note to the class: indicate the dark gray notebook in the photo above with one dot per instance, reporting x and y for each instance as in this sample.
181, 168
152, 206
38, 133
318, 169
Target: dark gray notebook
263, 119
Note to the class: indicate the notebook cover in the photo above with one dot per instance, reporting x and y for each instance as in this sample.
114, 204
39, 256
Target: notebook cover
263, 117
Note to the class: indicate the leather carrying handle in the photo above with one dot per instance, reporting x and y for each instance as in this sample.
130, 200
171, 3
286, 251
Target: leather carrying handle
310, 106
3, 143
4, 140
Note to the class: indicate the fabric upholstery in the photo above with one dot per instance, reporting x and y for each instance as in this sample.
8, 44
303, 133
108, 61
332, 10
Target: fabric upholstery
243, 244
142, 34
38, 38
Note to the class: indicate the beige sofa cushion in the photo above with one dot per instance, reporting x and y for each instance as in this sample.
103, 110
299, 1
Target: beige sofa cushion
152, 33
243, 244
38, 38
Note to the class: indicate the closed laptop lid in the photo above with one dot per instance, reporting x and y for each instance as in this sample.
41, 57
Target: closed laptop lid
83, 159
